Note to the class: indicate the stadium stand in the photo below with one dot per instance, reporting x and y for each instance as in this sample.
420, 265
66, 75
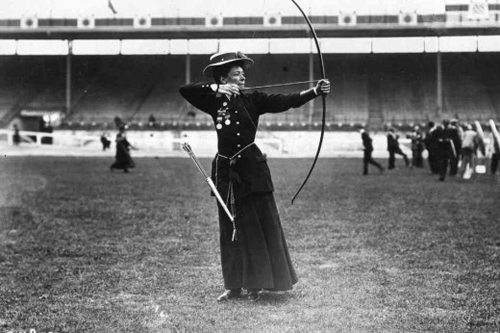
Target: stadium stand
401, 94
466, 96
21, 83
117, 88
349, 100
373, 82
9, 98
375, 89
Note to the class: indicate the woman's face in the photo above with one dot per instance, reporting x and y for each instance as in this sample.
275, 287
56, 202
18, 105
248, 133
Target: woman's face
236, 75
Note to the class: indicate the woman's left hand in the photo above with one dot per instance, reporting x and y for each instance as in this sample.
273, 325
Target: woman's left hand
322, 87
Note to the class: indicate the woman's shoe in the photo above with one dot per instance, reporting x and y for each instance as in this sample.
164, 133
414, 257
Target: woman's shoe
229, 294
253, 295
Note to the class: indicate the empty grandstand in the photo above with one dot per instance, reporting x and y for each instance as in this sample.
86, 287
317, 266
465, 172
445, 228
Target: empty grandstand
390, 63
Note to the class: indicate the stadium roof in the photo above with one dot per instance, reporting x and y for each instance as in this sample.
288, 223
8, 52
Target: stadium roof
239, 19
188, 8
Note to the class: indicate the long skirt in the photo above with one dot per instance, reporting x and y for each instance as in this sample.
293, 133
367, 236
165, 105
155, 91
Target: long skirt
123, 161
259, 258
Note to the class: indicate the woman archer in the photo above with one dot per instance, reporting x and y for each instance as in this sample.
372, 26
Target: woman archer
258, 259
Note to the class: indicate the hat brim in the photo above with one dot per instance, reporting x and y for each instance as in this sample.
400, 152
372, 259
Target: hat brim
247, 63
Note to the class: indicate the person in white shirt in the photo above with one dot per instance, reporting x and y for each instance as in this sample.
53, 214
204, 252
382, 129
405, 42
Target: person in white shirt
469, 148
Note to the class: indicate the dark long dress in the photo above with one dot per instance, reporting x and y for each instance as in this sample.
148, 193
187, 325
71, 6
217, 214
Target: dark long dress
259, 259
123, 160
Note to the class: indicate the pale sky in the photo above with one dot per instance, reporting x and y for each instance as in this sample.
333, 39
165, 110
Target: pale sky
201, 8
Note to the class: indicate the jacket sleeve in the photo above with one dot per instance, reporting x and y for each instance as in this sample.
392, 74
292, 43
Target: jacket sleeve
201, 96
276, 103
391, 142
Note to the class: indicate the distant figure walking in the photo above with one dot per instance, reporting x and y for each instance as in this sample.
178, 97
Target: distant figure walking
368, 149
123, 159
393, 148
16, 137
106, 143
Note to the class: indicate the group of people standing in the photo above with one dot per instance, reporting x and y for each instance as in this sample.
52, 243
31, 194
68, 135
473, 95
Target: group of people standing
456, 148
452, 149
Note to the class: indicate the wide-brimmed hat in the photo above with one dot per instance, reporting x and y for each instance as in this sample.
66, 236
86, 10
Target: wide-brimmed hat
220, 59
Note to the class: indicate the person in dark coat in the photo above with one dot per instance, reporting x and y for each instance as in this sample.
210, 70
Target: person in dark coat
393, 148
417, 147
123, 159
444, 149
455, 134
258, 259
368, 150
494, 148
16, 138
431, 143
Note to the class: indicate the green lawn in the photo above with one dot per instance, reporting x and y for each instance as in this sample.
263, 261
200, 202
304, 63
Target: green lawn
86, 250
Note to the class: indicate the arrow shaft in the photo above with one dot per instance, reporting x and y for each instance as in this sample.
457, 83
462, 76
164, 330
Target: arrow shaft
278, 85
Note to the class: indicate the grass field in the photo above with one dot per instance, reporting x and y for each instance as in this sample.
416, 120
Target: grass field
86, 250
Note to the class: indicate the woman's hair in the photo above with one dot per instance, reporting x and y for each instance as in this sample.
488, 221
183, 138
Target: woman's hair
223, 70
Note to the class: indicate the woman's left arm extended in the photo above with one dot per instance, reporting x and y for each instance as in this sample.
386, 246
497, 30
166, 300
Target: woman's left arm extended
275, 103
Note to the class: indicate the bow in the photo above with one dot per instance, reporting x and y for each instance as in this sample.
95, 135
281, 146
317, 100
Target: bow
323, 76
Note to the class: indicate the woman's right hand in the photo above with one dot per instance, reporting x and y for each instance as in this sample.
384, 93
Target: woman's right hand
229, 89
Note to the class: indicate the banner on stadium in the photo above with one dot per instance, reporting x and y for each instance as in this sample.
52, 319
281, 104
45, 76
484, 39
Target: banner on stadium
478, 10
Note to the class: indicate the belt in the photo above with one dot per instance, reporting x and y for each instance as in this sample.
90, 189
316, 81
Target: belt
237, 153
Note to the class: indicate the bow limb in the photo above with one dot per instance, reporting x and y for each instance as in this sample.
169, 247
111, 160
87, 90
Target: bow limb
323, 76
